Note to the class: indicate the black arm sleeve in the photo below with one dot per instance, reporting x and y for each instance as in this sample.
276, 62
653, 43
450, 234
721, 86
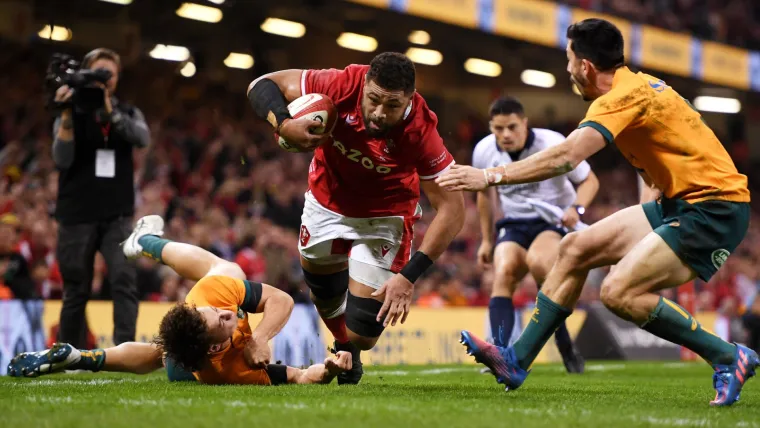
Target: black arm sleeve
269, 103
278, 374
63, 151
253, 291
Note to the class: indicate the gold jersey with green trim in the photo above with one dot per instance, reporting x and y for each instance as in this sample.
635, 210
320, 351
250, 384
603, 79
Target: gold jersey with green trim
227, 365
666, 140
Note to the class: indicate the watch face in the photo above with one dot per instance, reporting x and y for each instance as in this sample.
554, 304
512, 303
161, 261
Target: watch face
581, 210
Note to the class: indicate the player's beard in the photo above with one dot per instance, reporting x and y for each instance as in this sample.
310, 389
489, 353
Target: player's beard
376, 133
581, 87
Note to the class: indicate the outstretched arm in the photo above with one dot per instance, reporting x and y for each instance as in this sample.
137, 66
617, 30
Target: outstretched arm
557, 160
321, 373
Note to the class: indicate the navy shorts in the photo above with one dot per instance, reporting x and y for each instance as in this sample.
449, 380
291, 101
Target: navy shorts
523, 231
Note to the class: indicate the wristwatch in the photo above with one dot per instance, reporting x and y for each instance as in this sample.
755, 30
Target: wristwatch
580, 209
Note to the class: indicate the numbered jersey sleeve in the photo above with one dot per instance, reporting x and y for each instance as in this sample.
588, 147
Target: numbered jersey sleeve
225, 292
339, 85
617, 110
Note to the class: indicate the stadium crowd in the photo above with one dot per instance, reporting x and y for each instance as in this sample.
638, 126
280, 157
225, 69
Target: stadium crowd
734, 21
217, 176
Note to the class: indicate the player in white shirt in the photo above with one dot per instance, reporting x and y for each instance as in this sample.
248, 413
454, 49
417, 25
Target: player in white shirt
523, 240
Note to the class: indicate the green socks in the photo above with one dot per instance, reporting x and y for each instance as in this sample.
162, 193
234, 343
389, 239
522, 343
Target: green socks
668, 321
92, 360
546, 318
153, 246
672, 323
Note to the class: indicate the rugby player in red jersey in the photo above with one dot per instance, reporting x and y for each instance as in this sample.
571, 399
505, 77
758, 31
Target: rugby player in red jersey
364, 189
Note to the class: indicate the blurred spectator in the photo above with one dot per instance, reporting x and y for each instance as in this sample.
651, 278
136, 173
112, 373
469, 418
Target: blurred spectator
15, 277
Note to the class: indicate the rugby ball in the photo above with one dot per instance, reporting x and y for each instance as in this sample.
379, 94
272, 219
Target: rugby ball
317, 107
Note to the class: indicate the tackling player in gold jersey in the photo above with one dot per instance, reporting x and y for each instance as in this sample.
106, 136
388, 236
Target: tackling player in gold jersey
700, 218
207, 339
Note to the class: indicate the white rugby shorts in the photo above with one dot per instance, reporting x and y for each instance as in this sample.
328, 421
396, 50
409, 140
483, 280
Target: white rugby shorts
376, 247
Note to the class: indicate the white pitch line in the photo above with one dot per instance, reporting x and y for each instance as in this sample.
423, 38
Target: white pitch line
51, 400
426, 372
679, 365
604, 367
51, 382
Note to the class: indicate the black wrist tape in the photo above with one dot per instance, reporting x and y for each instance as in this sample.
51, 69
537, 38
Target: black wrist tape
269, 103
417, 265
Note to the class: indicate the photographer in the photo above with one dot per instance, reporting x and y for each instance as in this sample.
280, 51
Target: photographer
93, 141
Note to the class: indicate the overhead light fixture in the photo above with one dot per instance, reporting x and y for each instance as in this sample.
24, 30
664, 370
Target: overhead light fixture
282, 27
482, 67
239, 60
541, 79
357, 42
170, 53
188, 70
199, 12
121, 2
59, 34
717, 104
217, 1
419, 37
424, 56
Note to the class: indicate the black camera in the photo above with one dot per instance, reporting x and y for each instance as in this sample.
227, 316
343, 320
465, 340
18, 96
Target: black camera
65, 70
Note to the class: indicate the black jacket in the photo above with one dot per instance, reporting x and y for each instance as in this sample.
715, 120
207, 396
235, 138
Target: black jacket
83, 196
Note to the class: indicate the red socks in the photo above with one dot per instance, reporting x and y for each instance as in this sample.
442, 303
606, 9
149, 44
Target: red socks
337, 327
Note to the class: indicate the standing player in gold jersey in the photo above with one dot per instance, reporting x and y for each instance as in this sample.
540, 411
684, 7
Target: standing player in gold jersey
700, 218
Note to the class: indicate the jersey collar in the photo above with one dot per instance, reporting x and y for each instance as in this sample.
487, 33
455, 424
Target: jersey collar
529, 140
620, 74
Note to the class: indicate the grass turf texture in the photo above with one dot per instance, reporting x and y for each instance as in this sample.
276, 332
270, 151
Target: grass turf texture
610, 394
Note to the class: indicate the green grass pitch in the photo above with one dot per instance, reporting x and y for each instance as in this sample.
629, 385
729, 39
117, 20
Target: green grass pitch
610, 394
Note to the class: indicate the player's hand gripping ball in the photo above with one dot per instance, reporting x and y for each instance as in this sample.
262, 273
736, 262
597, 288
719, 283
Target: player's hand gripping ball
315, 115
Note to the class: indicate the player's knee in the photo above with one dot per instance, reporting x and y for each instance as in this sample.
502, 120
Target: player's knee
361, 321
227, 268
538, 264
613, 293
506, 277
329, 308
362, 342
327, 287
574, 250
